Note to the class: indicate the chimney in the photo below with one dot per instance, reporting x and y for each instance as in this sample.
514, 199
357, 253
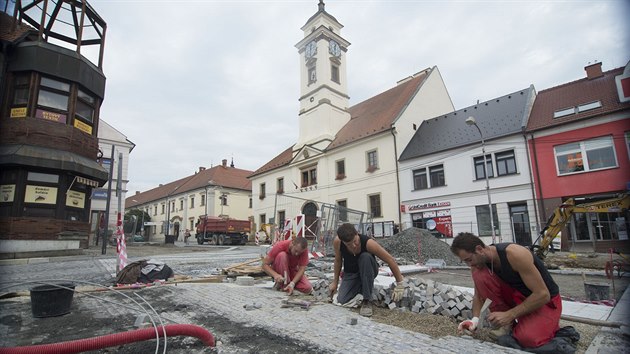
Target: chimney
201, 168
224, 162
137, 192
593, 71
232, 163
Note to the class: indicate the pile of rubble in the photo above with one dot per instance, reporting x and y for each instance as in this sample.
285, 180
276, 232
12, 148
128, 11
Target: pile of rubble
423, 296
417, 246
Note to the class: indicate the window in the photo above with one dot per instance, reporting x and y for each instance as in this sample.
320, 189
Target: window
436, 174
506, 163
480, 169
334, 73
420, 179
155, 209
341, 169
483, 220
281, 216
42, 177
263, 219
85, 106
588, 155
372, 161
251, 202
343, 210
20, 91
312, 75
192, 226
203, 200
172, 206
588, 106
181, 204
280, 185
53, 94
192, 202
163, 208
262, 193
375, 205
309, 176
564, 112
223, 198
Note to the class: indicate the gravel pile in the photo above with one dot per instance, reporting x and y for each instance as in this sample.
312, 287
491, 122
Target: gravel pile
404, 247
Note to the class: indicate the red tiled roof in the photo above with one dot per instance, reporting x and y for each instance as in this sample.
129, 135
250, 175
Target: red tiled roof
224, 176
9, 33
368, 118
576, 93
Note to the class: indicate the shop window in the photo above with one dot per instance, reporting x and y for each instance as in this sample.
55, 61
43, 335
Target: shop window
483, 220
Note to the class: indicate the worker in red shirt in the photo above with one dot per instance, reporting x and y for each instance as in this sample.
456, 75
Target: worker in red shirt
286, 264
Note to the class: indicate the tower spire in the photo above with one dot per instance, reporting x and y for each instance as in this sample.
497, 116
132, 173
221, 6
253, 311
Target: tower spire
321, 5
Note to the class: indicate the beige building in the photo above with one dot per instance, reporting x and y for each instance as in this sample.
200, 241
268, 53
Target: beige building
222, 191
344, 155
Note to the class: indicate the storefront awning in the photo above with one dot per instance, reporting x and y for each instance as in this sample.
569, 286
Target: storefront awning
37, 156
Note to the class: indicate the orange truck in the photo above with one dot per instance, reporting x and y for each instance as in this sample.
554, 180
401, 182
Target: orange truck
222, 231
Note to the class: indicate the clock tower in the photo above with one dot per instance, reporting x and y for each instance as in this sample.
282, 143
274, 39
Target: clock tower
323, 88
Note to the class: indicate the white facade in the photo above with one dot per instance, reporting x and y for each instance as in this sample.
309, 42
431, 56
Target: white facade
457, 200
110, 139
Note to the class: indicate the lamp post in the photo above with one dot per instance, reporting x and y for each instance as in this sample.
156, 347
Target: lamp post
206, 205
471, 121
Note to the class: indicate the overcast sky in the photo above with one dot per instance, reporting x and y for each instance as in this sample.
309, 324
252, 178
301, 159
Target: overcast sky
194, 82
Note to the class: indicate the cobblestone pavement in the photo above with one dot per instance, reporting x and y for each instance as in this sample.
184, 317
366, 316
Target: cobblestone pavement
323, 325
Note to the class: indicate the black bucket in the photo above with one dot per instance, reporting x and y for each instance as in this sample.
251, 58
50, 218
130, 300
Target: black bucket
51, 300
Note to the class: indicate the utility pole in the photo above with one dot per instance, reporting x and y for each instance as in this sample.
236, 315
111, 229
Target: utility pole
109, 200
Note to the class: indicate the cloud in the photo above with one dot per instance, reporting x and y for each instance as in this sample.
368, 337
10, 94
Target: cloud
193, 83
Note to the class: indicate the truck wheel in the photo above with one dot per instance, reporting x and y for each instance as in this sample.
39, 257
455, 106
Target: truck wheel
200, 240
221, 240
215, 240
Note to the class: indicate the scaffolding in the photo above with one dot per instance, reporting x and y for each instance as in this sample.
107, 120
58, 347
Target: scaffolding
321, 220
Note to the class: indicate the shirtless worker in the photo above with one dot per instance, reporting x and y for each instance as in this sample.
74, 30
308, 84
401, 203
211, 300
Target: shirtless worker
526, 304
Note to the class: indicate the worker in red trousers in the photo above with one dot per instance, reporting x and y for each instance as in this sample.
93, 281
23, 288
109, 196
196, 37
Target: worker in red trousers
526, 304
286, 264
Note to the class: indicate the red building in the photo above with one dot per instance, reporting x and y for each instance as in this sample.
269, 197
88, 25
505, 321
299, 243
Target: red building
579, 141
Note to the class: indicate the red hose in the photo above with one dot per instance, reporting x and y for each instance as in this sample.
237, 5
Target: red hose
110, 340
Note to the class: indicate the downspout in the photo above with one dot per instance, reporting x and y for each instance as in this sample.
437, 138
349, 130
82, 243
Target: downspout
393, 130
540, 193
531, 184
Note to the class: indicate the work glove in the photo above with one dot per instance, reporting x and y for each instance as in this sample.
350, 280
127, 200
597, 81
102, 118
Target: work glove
398, 291
469, 325
289, 288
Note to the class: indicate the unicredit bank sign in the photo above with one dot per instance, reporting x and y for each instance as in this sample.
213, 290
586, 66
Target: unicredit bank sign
422, 206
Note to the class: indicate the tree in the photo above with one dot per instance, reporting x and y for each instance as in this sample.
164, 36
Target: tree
134, 219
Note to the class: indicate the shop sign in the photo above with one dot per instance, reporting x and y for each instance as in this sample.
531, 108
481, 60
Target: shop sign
75, 199
19, 112
52, 116
40, 195
82, 126
7, 193
428, 205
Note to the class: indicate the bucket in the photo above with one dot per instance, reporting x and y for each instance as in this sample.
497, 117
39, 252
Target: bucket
597, 291
51, 300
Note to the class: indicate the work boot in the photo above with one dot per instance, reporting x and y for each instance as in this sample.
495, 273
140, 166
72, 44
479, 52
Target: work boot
495, 333
558, 345
569, 333
366, 309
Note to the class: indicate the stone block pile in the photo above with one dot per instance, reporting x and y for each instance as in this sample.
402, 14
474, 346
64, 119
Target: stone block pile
321, 289
428, 296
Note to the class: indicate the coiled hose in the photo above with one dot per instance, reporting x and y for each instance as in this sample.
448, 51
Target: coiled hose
110, 340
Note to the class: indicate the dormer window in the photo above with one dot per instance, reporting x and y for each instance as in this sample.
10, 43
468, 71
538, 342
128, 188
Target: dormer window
588, 106
564, 112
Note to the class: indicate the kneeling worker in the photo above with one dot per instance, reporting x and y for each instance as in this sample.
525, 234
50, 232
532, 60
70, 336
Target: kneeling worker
289, 259
360, 268
526, 304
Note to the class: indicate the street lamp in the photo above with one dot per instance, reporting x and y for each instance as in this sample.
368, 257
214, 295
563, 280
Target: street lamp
141, 222
471, 121
206, 205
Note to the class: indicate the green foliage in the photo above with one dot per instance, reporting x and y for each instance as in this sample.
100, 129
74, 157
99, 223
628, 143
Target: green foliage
135, 217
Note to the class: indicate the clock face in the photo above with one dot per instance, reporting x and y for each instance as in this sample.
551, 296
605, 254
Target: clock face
333, 48
311, 49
